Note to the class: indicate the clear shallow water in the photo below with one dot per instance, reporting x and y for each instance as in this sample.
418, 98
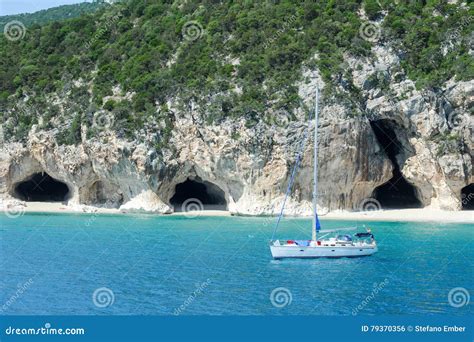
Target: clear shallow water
154, 264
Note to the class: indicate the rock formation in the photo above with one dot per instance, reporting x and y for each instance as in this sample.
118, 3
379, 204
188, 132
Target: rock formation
428, 144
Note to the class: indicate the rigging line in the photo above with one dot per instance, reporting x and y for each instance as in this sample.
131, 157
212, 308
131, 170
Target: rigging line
292, 178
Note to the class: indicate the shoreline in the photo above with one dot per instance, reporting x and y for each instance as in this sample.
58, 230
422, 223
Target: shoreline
393, 215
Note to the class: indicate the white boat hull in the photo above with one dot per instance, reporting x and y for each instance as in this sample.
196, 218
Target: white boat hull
285, 251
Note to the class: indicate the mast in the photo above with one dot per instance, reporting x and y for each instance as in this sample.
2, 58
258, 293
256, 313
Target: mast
315, 170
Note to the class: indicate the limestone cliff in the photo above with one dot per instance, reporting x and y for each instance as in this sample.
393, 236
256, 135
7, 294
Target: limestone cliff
252, 165
383, 142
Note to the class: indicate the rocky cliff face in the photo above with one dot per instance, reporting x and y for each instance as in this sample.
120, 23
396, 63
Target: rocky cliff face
396, 135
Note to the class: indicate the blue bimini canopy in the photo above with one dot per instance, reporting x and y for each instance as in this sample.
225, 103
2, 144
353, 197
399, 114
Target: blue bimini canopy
304, 243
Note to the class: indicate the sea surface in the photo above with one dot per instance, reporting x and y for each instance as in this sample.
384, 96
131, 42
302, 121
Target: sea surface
176, 265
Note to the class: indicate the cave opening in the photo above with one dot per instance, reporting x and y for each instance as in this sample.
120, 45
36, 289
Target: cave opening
104, 194
98, 194
198, 195
41, 187
467, 197
397, 193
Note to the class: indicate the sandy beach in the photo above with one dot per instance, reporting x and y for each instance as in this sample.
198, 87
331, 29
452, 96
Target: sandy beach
413, 215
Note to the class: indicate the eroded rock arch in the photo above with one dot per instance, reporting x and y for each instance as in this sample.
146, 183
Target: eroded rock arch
41, 187
198, 194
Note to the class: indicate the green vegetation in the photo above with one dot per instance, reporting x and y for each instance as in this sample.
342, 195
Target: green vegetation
53, 14
433, 38
258, 47
448, 143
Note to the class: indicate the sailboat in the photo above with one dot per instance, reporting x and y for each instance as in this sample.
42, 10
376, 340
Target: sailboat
322, 244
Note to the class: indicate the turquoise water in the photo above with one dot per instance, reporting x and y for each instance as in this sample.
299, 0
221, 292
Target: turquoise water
222, 265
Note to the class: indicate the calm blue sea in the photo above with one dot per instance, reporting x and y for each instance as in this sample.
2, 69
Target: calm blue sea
145, 264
